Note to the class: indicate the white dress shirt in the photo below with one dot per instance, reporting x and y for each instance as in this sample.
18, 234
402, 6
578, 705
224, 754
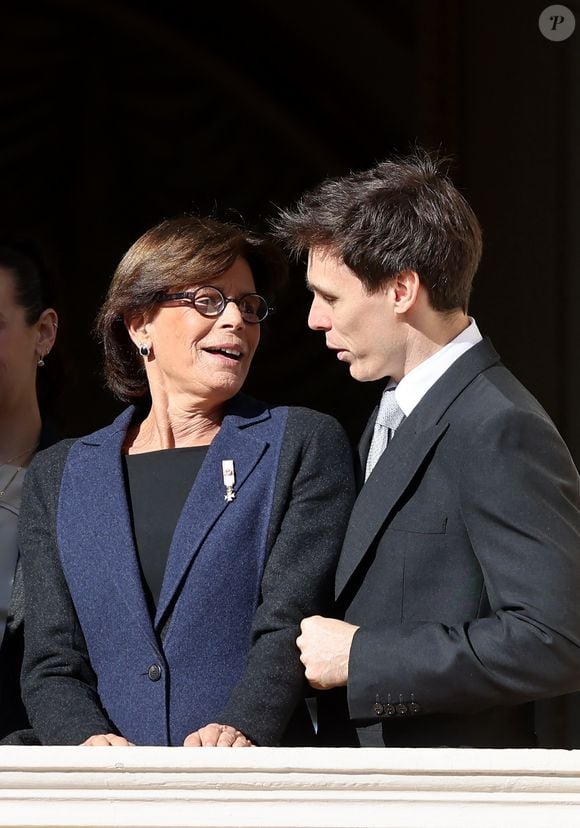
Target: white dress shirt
414, 385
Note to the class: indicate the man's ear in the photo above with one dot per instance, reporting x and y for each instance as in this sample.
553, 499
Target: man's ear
405, 287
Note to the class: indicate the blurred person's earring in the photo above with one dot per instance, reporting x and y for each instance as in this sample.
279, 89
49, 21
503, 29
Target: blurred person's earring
40, 362
144, 350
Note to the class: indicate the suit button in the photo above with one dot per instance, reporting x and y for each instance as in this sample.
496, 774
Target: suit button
414, 707
154, 672
379, 708
390, 710
402, 709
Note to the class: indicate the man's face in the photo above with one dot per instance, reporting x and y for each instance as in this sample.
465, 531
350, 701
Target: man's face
362, 328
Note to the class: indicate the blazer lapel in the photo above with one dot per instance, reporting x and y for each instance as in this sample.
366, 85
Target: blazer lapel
206, 502
100, 493
413, 440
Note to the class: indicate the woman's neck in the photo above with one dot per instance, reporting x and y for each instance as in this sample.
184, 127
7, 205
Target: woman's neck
173, 428
19, 432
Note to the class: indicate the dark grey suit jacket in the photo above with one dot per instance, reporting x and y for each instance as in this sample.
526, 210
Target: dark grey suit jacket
461, 564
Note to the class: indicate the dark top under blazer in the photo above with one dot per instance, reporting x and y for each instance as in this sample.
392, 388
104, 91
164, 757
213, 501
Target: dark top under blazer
461, 564
65, 678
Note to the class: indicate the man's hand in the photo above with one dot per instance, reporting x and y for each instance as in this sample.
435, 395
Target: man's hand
325, 645
102, 739
217, 735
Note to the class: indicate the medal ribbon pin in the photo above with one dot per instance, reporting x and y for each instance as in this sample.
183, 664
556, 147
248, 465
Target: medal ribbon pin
229, 478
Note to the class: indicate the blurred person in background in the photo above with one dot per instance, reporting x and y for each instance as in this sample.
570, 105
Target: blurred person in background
27, 334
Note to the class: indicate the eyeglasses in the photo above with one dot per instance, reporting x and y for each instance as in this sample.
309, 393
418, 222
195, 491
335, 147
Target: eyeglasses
209, 301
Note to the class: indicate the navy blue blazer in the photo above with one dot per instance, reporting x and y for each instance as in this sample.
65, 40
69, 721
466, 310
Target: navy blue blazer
239, 578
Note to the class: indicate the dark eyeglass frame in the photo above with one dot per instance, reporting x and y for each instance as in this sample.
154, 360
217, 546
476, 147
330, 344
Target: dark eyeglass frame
190, 296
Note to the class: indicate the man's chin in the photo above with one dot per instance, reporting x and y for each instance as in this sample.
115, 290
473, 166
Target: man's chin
357, 368
360, 374
357, 373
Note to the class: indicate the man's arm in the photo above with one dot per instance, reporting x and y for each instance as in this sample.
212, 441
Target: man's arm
521, 508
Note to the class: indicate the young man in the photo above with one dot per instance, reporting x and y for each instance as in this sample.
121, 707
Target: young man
458, 587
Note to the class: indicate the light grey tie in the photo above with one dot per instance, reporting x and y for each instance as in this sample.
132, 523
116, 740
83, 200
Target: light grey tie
390, 416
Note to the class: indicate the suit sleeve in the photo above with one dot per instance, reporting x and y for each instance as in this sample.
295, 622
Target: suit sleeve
520, 505
59, 686
314, 492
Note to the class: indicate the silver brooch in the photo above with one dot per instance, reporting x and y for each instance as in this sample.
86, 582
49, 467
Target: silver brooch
229, 477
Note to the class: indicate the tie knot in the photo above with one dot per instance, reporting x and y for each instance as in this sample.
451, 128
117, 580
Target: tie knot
390, 414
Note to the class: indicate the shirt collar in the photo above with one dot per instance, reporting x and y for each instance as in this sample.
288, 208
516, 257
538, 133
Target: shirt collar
414, 385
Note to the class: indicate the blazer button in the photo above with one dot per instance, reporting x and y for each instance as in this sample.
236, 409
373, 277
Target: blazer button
390, 710
402, 709
414, 707
379, 708
154, 672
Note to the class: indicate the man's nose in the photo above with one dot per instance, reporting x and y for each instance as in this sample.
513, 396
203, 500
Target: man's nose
317, 319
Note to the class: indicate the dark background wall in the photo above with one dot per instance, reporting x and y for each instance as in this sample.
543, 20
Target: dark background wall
115, 115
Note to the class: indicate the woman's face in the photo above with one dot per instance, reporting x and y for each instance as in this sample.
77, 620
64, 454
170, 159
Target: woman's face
18, 346
198, 358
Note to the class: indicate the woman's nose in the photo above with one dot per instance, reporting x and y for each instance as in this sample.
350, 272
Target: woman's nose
231, 315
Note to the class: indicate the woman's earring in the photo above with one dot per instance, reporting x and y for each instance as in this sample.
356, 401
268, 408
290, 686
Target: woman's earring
40, 362
144, 350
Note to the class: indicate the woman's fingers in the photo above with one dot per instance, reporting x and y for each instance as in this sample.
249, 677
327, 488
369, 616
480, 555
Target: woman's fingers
207, 736
217, 735
230, 737
103, 739
212, 735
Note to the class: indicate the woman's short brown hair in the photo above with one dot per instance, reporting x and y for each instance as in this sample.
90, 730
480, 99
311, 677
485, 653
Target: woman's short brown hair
173, 255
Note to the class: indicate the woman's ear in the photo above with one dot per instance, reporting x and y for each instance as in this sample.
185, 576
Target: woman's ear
137, 328
46, 326
405, 286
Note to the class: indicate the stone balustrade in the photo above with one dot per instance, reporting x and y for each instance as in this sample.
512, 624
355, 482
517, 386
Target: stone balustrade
334, 788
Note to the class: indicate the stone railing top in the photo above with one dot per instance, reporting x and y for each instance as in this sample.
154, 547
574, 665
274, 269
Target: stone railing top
150, 786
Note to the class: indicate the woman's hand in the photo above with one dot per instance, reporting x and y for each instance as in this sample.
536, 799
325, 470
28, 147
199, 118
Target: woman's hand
217, 735
101, 739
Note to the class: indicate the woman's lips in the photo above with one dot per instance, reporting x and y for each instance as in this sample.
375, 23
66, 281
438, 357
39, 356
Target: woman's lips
229, 353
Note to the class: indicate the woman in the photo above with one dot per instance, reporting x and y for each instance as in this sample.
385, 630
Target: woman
27, 334
172, 555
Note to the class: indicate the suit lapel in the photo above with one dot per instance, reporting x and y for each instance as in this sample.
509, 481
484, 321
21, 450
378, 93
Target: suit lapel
377, 498
413, 440
363, 449
206, 502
